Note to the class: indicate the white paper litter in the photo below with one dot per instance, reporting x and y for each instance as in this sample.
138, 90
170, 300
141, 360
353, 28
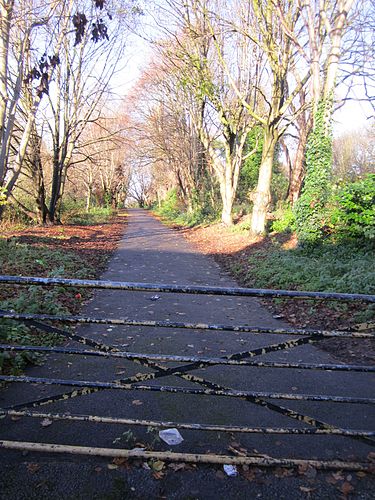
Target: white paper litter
171, 436
230, 470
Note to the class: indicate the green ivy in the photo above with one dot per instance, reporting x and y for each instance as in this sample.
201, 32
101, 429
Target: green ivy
354, 216
3, 197
312, 214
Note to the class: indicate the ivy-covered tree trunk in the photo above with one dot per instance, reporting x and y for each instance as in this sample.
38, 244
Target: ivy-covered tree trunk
311, 208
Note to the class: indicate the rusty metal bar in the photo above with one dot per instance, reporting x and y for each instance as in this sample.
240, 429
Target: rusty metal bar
204, 290
186, 425
184, 457
191, 359
183, 325
204, 392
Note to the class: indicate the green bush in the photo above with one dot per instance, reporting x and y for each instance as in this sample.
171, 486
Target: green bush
285, 220
171, 206
173, 209
354, 215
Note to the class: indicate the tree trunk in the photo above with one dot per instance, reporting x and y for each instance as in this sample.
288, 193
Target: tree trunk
226, 196
297, 173
88, 197
262, 195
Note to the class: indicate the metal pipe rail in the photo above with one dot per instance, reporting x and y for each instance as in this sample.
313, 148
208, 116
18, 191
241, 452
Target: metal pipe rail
202, 290
184, 457
182, 325
190, 359
183, 390
187, 425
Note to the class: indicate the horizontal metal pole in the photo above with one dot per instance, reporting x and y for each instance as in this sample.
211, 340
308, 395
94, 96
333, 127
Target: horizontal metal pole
183, 457
191, 326
193, 359
207, 290
185, 425
184, 390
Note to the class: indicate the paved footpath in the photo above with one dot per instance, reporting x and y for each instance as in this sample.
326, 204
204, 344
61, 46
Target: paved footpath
153, 253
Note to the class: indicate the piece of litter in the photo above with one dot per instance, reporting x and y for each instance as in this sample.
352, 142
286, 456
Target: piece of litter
137, 402
171, 436
46, 422
230, 470
154, 297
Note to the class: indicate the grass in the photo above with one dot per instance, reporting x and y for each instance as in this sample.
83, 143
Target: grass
342, 267
345, 268
43, 255
96, 215
23, 259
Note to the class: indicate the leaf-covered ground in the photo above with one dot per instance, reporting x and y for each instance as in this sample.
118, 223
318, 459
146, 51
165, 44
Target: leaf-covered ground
64, 251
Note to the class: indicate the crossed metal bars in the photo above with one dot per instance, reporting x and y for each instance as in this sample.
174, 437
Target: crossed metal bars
82, 387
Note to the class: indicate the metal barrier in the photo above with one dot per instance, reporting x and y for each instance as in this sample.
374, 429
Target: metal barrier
191, 363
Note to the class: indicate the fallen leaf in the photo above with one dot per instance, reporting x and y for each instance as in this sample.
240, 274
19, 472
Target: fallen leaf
338, 475
137, 402
302, 468
15, 418
331, 480
307, 490
157, 466
112, 466
120, 461
158, 475
46, 422
361, 474
98, 469
283, 472
249, 474
177, 467
33, 468
346, 488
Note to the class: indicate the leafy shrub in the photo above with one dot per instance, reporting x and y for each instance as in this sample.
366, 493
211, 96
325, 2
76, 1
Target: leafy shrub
173, 209
171, 206
285, 221
354, 215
